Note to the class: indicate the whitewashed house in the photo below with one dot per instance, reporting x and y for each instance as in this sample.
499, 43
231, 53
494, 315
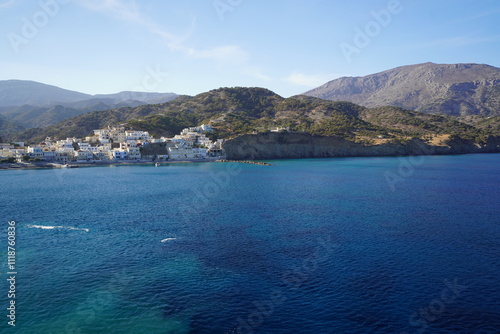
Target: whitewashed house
180, 152
132, 149
119, 154
84, 155
103, 135
66, 143
205, 128
35, 152
48, 154
200, 153
63, 157
137, 136
6, 150
202, 140
84, 146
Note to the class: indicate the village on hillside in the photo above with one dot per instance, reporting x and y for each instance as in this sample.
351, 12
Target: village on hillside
115, 144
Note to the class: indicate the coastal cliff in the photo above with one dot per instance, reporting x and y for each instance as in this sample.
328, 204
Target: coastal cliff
264, 146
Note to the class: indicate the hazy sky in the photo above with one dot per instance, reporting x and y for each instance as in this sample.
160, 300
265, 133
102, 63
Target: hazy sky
192, 46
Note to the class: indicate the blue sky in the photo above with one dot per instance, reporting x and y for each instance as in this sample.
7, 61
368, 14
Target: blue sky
192, 46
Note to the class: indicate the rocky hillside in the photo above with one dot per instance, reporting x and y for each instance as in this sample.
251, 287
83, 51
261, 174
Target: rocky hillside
297, 145
240, 111
7, 128
456, 89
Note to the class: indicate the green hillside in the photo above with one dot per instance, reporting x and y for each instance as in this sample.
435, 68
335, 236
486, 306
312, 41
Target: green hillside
236, 111
8, 128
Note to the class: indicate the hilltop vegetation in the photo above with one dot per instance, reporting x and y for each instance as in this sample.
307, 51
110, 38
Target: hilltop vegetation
420, 125
8, 128
490, 125
236, 111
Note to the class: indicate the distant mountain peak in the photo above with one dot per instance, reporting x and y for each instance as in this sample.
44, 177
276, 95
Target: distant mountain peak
20, 92
459, 89
31, 104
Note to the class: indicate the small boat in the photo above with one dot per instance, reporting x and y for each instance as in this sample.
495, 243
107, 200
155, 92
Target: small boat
157, 164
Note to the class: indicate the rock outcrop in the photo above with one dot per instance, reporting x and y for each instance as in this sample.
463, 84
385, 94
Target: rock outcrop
265, 146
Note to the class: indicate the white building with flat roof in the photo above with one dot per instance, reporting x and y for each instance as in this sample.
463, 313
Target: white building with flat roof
35, 152
119, 154
137, 135
66, 143
84, 155
180, 152
48, 154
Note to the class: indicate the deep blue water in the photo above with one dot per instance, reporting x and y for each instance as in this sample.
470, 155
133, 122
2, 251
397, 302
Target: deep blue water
353, 245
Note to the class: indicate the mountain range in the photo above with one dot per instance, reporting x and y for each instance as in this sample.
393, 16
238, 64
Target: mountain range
29, 104
452, 89
238, 111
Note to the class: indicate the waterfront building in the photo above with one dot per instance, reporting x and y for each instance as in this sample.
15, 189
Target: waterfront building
116, 143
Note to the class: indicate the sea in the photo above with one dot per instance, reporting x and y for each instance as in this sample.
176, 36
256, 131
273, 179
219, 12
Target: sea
343, 245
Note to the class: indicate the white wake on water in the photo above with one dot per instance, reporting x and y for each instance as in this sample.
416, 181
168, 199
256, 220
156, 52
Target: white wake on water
168, 239
59, 228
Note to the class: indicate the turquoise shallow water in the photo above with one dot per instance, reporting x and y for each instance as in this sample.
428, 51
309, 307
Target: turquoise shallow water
356, 245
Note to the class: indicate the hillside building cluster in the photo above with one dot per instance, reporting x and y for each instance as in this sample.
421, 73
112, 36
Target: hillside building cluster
118, 144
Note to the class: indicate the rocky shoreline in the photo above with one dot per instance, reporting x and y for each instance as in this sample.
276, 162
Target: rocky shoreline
269, 146
249, 149
50, 165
